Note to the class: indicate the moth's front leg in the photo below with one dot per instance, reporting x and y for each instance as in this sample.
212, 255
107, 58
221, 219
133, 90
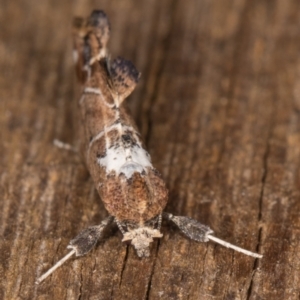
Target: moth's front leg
202, 233
190, 227
87, 239
84, 242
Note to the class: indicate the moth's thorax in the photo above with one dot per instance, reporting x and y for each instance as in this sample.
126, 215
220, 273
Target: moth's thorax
141, 235
141, 238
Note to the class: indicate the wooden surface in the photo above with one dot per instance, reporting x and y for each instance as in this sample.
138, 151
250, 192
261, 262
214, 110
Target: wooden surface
218, 106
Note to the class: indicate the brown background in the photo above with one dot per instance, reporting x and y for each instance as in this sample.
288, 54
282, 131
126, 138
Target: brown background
218, 106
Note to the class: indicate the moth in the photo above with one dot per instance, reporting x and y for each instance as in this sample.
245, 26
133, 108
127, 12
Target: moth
132, 190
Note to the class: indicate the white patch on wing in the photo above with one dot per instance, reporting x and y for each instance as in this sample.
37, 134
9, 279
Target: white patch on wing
127, 162
130, 167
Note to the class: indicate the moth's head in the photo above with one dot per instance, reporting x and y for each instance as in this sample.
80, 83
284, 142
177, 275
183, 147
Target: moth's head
142, 236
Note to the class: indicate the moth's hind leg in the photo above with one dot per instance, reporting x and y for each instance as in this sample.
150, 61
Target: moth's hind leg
65, 146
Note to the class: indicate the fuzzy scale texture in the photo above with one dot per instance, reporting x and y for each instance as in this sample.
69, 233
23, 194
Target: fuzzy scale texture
130, 187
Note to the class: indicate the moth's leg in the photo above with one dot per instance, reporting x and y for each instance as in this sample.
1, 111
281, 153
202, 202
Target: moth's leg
159, 222
120, 226
202, 233
65, 146
190, 227
84, 242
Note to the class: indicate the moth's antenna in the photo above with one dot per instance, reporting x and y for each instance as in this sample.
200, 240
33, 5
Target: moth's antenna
231, 246
56, 266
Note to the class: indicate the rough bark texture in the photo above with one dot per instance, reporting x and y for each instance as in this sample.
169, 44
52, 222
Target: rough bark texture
218, 106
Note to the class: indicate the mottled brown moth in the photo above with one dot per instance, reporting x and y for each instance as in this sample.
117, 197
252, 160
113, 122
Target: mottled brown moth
132, 190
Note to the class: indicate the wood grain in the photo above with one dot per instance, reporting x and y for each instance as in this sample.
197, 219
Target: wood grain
218, 106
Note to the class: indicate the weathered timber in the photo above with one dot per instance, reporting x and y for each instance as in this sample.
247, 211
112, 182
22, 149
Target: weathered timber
218, 106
